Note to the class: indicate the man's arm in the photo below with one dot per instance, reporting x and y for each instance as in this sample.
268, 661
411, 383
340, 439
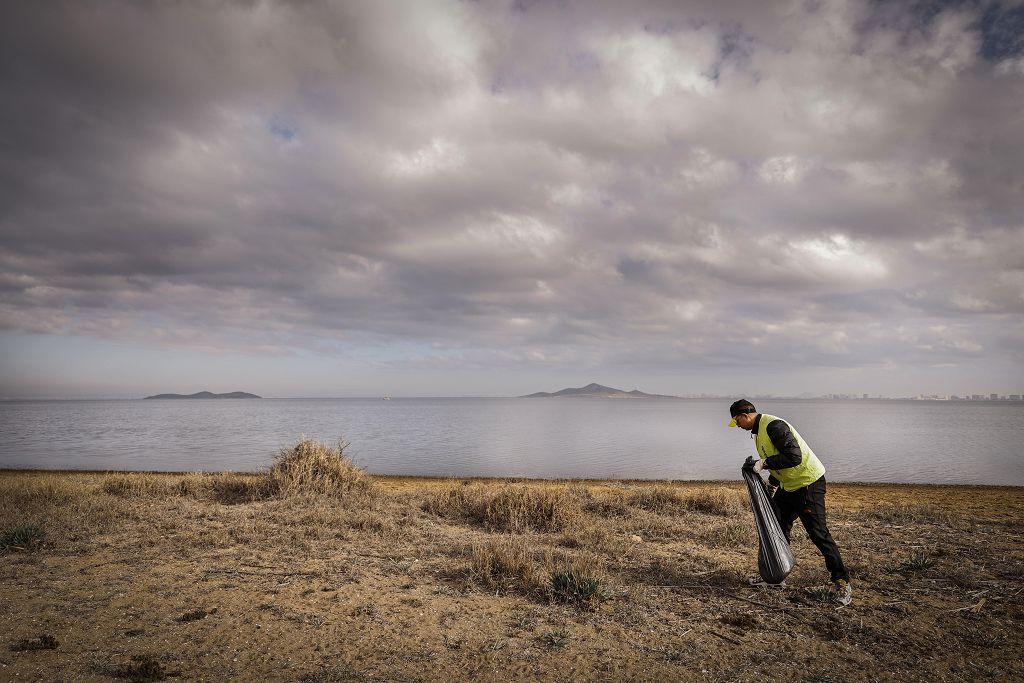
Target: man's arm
789, 450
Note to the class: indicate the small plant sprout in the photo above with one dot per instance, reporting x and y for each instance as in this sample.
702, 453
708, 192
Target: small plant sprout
555, 639
918, 562
21, 537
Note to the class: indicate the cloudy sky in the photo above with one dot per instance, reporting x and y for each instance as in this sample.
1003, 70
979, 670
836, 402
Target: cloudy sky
494, 198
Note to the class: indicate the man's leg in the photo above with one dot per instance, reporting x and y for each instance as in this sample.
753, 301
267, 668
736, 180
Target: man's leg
812, 514
787, 509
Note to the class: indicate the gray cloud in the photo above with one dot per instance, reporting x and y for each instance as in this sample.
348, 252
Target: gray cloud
833, 184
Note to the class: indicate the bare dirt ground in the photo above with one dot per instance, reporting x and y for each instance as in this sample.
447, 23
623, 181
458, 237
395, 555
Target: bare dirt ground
190, 577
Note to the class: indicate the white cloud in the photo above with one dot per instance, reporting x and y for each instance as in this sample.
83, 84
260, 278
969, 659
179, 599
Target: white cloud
783, 170
703, 170
689, 310
837, 256
650, 65
971, 303
437, 156
945, 246
953, 45
516, 232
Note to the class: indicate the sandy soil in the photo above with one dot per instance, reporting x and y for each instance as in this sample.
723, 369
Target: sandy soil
150, 579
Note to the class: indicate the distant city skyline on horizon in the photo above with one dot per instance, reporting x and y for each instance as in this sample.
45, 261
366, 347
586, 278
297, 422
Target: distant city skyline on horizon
444, 198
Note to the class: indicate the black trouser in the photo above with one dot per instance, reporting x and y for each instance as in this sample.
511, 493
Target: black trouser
808, 503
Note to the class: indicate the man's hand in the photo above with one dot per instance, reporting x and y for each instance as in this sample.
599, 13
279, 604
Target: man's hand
753, 464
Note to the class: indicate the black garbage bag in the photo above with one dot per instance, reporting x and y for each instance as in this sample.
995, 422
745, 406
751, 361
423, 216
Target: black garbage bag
774, 558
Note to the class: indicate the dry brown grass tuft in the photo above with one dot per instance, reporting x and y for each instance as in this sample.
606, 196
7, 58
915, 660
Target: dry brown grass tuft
595, 537
908, 513
314, 467
729, 534
135, 485
525, 508
607, 505
309, 467
223, 487
516, 508
509, 563
321, 517
653, 526
466, 502
578, 579
42, 490
659, 498
24, 497
63, 506
718, 501
229, 487
504, 563
667, 499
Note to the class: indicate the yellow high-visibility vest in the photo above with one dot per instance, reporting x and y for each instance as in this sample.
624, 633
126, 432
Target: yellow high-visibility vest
807, 472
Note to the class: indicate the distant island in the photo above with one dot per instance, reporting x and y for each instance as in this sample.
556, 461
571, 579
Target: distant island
207, 394
595, 391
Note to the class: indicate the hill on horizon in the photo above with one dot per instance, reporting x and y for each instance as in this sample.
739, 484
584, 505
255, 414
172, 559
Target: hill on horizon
593, 390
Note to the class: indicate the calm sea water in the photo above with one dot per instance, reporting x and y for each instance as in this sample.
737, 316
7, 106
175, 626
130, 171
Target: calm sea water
881, 441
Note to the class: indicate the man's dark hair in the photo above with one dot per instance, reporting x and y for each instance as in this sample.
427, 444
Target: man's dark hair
741, 406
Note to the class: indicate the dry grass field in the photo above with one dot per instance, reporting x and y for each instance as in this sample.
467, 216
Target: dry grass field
314, 571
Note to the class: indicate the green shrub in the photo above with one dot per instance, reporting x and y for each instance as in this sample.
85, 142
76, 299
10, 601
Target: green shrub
21, 537
575, 586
